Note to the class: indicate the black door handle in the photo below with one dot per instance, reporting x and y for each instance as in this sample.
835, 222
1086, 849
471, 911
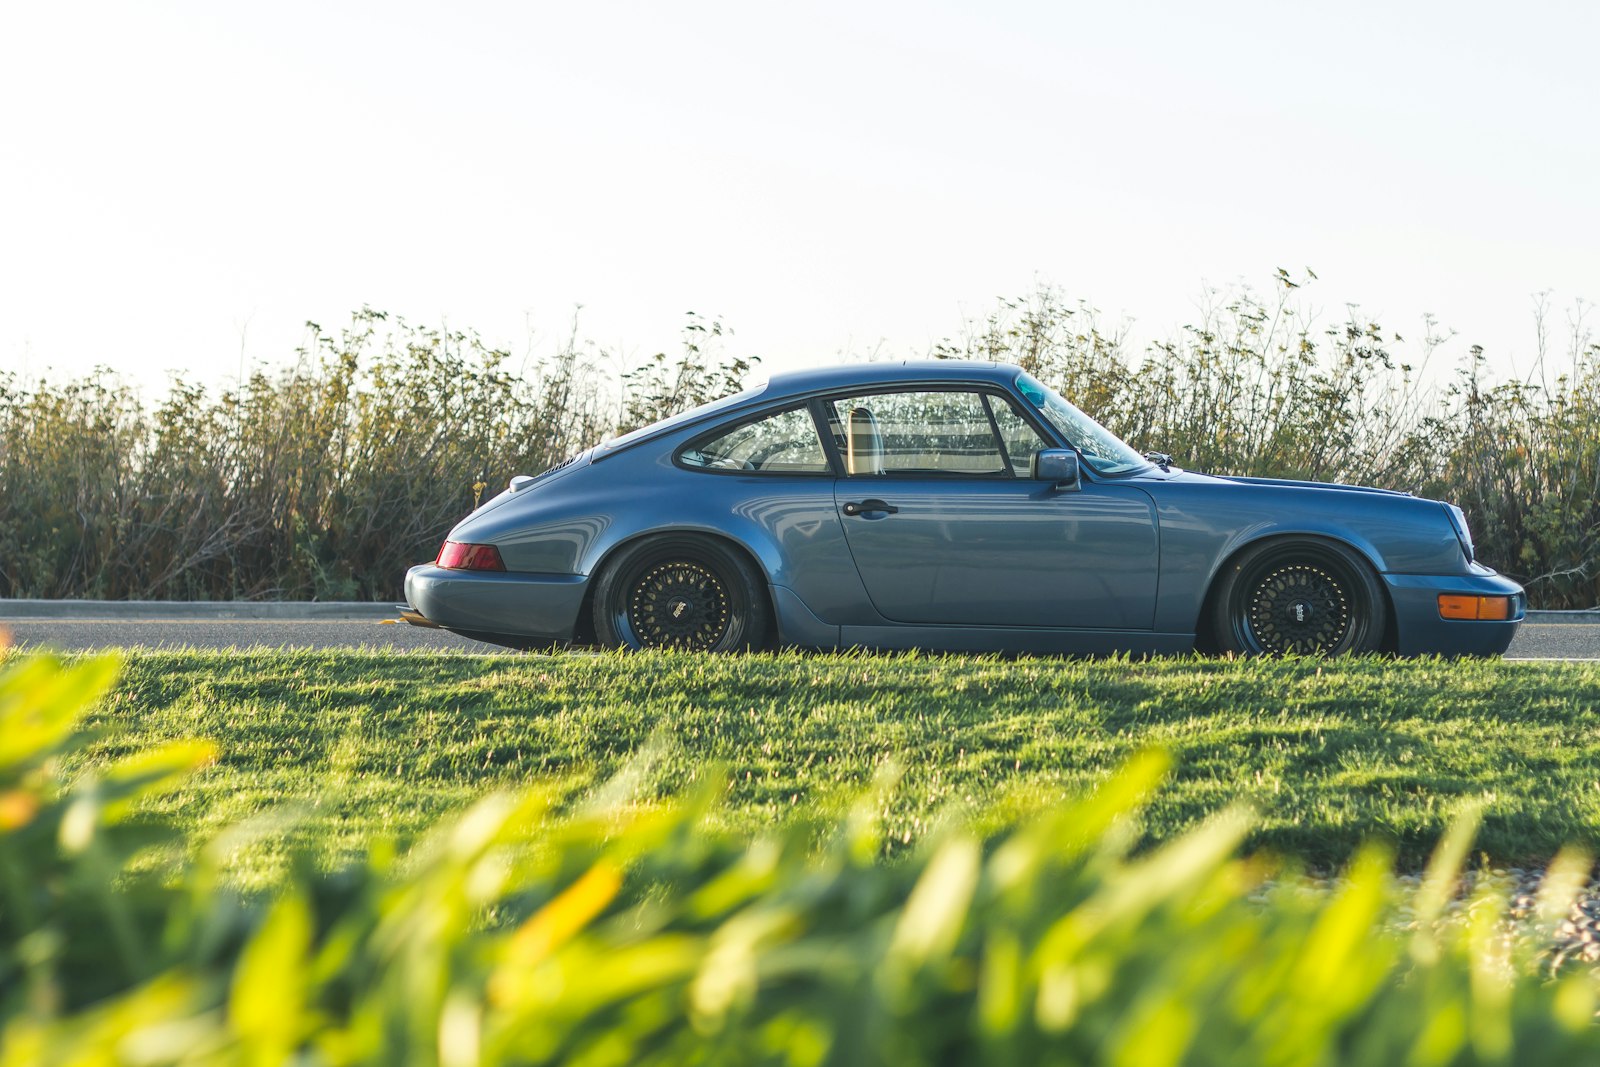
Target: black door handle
852, 507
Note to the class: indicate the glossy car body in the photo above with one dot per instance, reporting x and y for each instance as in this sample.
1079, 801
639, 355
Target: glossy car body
1127, 560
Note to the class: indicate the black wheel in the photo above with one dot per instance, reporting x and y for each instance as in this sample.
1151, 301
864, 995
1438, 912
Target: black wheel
680, 592
1314, 598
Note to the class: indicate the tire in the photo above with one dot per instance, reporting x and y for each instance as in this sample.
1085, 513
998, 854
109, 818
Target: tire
1304, 597
680, 592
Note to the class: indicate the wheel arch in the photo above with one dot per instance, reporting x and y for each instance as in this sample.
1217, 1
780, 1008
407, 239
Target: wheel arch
1207, 641
586, 611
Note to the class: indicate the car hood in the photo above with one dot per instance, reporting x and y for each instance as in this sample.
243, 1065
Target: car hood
1294, 483
1178, 474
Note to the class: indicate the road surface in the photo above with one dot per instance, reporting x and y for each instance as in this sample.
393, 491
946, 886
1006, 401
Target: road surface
1534, 641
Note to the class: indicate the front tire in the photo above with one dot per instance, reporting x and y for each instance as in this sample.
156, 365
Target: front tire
680, 592
1313, 598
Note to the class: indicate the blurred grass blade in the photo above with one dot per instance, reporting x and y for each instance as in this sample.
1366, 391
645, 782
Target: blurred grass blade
934, 912
267, 1004
553, 925
42, 703
134, 778
1444, 866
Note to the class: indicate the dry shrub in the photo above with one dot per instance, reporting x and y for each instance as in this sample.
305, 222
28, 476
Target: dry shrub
327, 478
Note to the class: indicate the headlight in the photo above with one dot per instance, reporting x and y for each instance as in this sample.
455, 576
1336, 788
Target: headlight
1458, 519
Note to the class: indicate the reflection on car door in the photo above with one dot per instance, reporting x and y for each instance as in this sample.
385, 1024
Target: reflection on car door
1004, 554
943, 531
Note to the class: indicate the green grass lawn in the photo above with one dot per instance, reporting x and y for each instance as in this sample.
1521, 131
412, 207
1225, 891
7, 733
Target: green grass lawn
631, 933
369, 745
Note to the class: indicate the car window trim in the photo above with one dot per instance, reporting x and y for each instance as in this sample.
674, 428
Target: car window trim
819, 419
748, 419
984, 389
999, 438
1006, 390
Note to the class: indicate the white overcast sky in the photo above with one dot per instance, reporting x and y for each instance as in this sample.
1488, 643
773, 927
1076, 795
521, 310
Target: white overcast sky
183, 183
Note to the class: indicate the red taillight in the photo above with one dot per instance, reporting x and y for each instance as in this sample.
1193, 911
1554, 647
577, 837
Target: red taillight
463, 557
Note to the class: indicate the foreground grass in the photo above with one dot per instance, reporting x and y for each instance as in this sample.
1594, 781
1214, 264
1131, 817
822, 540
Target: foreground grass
370, 745
625, 935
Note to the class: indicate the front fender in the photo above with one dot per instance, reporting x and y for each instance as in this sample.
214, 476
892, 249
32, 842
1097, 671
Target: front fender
1205, 522
1267, 530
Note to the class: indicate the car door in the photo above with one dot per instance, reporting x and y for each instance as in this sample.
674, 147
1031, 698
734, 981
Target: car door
771, 480
945, 526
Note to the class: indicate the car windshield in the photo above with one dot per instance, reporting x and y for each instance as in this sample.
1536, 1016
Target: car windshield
1103, 450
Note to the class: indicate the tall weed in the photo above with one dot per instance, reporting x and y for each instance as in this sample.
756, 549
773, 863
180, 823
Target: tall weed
321, 480
326, 478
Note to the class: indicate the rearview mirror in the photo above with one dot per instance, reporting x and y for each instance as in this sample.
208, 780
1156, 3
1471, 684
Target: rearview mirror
1058, 465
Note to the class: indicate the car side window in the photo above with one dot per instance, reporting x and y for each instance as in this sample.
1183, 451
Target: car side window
931, 432
1021, 440
784, 443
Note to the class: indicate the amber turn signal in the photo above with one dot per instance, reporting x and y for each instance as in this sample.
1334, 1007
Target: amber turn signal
1474, 607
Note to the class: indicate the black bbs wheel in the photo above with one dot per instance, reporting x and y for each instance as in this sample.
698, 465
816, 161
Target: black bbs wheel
682, 593
1309, 598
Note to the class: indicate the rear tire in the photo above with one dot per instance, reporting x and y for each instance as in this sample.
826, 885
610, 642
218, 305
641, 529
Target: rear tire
680, 592
1314, 598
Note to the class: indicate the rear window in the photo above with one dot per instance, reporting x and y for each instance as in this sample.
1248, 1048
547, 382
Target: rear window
782, 443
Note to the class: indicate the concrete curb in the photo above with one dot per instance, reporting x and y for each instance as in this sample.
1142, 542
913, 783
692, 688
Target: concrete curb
129, 610
1590, 616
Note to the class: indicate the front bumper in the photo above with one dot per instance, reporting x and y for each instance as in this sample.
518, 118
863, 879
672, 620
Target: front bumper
534, 607
1419, 629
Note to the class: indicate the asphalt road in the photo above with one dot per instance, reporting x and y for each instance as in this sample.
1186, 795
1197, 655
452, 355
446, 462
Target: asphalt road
1534, 640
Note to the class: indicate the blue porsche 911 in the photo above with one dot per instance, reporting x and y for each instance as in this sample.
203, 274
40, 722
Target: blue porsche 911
952, 506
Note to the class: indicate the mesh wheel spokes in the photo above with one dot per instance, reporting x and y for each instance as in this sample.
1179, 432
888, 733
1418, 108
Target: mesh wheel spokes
1299, 608
679, 605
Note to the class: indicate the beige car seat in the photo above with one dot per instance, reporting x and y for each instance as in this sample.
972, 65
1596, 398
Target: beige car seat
863, 443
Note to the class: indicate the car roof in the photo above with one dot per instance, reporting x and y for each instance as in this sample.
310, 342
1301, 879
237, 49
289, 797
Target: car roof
843, 376
792, 385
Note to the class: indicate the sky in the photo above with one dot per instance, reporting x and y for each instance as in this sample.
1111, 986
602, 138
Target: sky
184, 185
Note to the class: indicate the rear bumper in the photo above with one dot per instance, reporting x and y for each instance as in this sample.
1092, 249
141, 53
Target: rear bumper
541, 607
1420, 630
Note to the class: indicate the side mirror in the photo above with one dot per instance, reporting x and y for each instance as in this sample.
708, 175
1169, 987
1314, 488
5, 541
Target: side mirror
1058, 465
